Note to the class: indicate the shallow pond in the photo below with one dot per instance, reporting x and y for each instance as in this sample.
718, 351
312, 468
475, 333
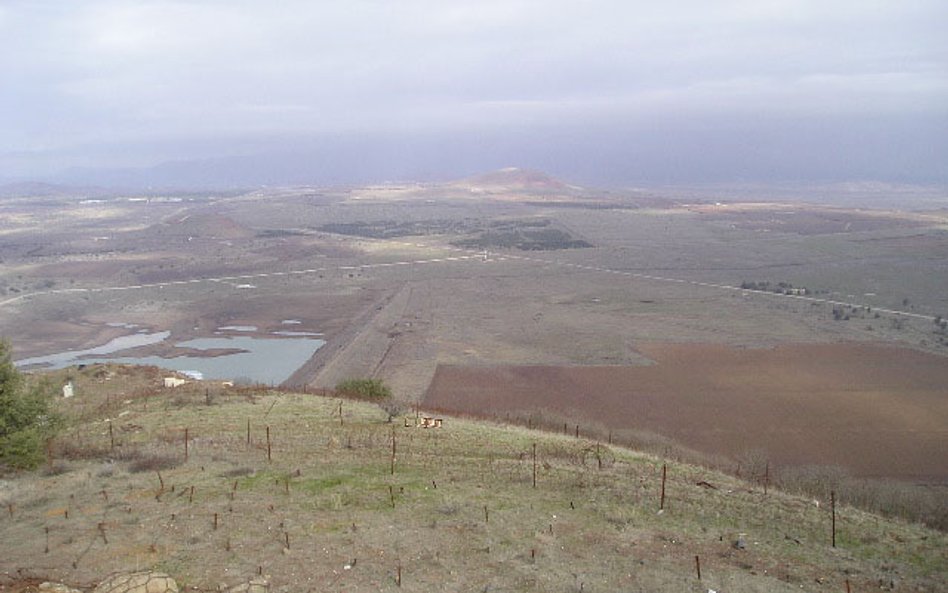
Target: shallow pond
261, 360
64, 359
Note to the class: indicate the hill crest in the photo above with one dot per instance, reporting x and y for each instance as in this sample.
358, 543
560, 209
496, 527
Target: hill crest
515, 178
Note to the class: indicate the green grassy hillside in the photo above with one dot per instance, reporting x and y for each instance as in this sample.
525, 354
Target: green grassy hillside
457, 511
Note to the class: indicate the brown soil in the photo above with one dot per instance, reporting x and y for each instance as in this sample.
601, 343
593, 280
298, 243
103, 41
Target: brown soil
879, 411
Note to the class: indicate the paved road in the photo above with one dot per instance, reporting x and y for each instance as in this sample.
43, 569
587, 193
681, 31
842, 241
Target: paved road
464, 255
237, 278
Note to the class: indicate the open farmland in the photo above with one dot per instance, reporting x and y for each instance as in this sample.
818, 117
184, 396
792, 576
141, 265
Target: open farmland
877, 411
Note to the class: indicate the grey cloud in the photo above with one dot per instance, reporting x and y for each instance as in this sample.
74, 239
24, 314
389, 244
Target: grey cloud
77, 76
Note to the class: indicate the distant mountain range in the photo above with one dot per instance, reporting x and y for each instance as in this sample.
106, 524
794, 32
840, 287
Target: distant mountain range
338, 164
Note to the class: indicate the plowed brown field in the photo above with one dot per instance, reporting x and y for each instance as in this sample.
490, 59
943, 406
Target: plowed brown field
877, 410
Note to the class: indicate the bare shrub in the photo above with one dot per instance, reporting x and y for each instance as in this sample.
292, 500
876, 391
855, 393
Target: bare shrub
181, 400
171, 436
392, 408
153, 463
911, 502
754, 464
239, 472
73, 451
56, 468
449, 509
599, 456
813, 480
570, 452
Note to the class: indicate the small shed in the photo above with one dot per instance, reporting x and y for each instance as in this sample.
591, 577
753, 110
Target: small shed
174, 382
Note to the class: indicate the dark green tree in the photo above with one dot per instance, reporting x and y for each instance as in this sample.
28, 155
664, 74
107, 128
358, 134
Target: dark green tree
26, 421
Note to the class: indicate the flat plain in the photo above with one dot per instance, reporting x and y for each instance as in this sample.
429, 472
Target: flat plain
661, 295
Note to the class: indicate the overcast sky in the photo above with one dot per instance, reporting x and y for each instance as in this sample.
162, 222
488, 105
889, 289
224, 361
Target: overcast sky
617, 92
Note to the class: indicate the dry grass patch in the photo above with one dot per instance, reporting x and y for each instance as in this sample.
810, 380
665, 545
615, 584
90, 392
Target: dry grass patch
460, 511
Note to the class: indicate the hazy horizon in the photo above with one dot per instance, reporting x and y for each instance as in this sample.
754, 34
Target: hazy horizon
212, 93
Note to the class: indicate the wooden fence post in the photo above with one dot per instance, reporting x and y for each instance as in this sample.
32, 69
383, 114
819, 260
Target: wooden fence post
392, 469
534, 465
661, 505
833, 509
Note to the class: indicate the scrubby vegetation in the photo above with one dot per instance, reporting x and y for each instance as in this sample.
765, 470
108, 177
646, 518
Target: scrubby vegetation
523, 234
523, 239
779, 288
890, 498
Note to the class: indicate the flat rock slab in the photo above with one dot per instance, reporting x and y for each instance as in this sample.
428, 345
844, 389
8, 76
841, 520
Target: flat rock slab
57, 588
138, 582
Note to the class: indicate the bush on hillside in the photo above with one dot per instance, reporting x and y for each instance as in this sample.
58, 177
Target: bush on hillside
26, 422
373, 389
